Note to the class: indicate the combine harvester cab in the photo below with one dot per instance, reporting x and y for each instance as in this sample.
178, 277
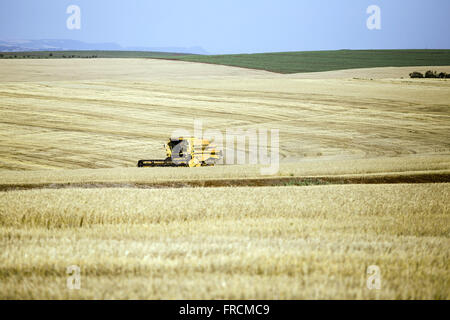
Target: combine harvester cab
186, 152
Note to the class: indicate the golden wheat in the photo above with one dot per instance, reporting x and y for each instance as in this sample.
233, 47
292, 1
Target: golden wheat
258, 243
113, 123
92, 120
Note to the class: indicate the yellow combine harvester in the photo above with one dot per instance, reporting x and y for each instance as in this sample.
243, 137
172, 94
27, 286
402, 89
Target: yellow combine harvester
186, 152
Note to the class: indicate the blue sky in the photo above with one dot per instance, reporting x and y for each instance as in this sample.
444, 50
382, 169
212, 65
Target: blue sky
234, 26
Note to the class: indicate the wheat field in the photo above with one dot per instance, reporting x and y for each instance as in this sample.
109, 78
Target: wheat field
71, 132
246, 243
113, 122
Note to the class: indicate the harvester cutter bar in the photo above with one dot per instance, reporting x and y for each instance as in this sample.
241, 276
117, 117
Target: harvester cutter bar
157, 163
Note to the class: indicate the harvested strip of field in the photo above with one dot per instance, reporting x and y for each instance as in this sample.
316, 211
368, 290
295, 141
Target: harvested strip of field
370, 73
29, 70
412, 165
226, 243
425, 177
46, 123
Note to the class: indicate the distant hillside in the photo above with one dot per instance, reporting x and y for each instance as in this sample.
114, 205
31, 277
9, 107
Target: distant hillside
75, 45
280, 62
314, 61
69, 54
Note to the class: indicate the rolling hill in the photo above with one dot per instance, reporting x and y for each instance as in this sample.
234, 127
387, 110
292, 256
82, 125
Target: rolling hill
279, 62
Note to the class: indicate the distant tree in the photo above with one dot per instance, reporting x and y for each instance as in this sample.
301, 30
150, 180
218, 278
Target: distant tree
431, 74
416, 74
444, 75
50, 54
